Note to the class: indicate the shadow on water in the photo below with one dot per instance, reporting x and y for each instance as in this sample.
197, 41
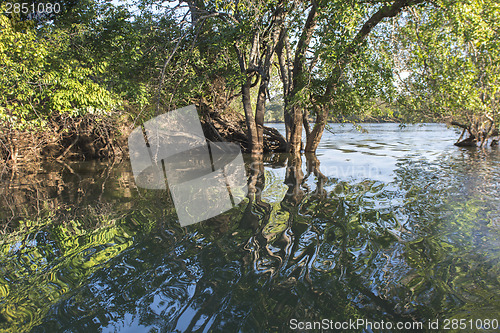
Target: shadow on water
85, 250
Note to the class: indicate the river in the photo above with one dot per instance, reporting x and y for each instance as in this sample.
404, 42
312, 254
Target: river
391, 224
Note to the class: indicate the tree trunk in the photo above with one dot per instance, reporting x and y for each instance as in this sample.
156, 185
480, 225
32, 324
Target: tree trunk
247, 106
314, 138
195, 7
258, 65
295, 141
260, 109
293, 80
282, 51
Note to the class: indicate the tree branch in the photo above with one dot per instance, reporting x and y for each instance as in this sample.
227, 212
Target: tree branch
384, 12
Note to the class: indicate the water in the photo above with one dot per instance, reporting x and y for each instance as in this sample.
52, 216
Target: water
396, 224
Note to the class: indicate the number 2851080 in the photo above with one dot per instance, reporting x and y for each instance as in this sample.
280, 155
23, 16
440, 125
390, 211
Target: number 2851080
31, 8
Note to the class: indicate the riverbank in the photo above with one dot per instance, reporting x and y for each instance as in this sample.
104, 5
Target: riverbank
76, 138
105, 136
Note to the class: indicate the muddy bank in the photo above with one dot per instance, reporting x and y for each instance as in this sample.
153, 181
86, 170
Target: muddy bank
75, 138
92, 137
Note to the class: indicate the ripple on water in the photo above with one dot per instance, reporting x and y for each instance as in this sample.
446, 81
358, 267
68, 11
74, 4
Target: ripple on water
415, 239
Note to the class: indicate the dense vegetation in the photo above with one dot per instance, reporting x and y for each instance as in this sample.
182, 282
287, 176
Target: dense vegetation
74, 82
421, 245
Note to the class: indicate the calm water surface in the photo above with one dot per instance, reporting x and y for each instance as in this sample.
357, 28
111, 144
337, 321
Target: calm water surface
395, 224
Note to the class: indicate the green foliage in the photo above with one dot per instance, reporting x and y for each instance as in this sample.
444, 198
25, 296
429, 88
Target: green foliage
38, 81
95, 54
274, 110
360, 72
125, 50
453, 60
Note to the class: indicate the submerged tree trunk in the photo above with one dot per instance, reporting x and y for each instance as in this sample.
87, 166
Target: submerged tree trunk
314, 137
253, 142
312, 165
478, 132
295, 142
470, 141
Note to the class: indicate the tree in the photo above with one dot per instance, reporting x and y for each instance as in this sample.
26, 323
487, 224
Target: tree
58, 86
38, 81
255, 65
321, 47
333, 38
229, 47
453, 61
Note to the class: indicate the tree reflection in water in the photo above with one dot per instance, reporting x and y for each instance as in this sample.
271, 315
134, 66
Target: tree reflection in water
303, 245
